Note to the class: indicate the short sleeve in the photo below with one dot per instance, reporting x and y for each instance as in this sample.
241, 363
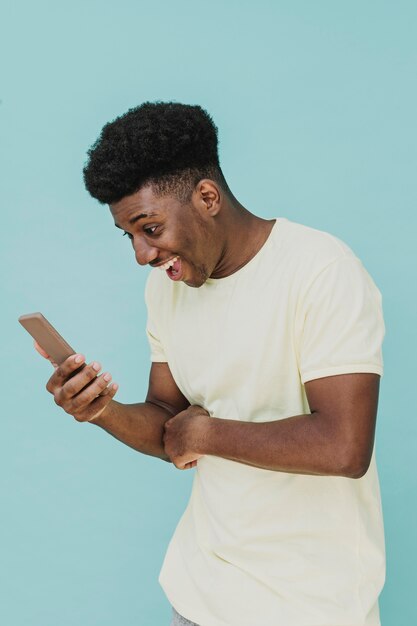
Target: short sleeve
155, 344
340, 322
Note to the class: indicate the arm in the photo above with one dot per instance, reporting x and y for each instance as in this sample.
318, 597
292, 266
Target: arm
336, 439
141, 426
88, 397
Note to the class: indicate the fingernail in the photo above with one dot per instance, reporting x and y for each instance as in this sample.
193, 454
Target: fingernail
107, 377
115, 386
96, 366
79, 358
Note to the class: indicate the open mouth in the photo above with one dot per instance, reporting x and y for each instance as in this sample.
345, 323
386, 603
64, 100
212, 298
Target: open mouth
173, 268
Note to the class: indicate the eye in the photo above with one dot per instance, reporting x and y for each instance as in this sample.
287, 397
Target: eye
150, 230
128, 234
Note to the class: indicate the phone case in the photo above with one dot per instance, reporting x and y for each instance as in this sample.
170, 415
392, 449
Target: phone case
46, 336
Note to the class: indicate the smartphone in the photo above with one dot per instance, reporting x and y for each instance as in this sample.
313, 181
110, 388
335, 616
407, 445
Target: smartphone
47, 336
49, 339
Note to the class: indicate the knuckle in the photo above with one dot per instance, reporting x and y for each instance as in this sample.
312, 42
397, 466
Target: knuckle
81, 418
59, 372
70, 365
78, 402
90, 372
57, 399
69, 389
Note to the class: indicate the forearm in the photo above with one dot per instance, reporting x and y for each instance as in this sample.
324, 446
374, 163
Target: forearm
303, 444
140, 426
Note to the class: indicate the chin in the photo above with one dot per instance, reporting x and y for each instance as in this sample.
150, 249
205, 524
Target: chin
197, 277
194, 284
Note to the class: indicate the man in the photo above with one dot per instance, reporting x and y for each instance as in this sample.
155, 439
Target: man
266, 343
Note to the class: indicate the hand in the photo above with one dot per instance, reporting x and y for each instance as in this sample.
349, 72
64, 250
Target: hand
44, 354
77, 388
184, 436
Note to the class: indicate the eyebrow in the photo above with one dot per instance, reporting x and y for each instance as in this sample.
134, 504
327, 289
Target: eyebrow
141, 216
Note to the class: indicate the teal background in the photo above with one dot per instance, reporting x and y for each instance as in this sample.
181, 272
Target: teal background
315, 104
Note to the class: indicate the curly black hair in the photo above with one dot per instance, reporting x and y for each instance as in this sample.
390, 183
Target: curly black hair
167, 144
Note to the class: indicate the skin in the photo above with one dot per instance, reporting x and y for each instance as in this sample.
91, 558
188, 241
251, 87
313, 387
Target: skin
211, 240
214, 235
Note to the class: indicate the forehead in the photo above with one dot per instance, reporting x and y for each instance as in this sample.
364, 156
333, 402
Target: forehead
143, 203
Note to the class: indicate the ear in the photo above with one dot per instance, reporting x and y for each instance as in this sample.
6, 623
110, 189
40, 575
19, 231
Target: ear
207, 197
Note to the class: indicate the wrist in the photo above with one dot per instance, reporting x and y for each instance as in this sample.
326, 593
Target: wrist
107, 415
224, 437
208, 435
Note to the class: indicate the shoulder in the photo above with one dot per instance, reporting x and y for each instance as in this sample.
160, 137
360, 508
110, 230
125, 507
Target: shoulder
311, 250
314, 240
325, 266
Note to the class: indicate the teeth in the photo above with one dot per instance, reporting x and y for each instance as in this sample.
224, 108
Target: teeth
168, 264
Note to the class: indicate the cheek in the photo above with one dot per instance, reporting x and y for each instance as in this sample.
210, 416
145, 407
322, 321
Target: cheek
190, 249
196, 251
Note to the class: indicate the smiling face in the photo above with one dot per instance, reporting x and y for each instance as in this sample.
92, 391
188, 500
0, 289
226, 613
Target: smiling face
161, 228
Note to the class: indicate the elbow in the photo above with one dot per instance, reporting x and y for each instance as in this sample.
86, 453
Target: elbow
357, 471
355, 465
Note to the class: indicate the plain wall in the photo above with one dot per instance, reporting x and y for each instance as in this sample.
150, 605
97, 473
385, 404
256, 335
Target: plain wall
315, 104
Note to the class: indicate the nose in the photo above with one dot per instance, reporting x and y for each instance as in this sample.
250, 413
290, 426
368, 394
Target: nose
144, 253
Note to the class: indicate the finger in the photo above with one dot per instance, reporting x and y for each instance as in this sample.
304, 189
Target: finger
65, 370
76, 383
105, 391
98, 405
89, 393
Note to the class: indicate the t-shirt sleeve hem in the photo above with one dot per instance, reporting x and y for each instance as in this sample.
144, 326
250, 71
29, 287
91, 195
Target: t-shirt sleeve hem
158, 359
367, 368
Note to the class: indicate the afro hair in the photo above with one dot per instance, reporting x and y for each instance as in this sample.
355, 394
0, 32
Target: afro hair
169, 145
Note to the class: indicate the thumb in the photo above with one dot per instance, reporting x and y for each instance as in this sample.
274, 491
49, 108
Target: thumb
43, 353
40, 350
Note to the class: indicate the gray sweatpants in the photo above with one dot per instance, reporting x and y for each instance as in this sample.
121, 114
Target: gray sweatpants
179, 620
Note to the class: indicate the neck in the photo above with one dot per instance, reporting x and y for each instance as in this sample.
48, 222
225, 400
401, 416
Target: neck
245, 234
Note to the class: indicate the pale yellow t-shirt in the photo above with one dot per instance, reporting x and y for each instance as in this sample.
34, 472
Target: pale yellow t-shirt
256, 547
